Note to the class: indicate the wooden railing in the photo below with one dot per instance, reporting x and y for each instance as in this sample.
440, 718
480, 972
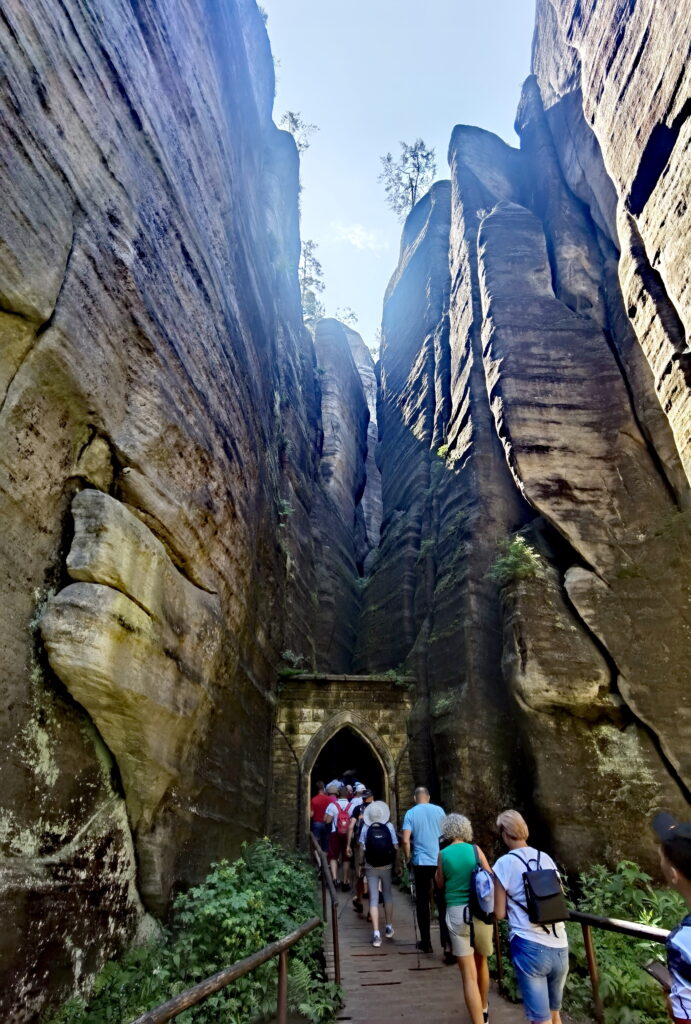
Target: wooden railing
174, 1007
609, 924
587, 923
327, 883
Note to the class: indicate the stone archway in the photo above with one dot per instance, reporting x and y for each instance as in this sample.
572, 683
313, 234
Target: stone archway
310, 711
331, 728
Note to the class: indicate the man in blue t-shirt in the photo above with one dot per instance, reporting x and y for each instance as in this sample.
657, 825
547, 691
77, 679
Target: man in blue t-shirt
422, 827
675, 860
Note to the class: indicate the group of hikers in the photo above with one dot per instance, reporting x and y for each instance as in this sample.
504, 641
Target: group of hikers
523, 885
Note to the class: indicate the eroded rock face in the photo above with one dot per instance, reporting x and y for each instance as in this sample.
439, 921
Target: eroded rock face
617, 76
371, 503
589, 759
562, 406
152, 349
138, 646
337, 509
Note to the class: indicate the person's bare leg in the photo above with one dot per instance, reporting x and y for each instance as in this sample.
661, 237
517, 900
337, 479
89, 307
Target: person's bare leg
374, 912
333, 864
482, 968
471, 992
556, 1017
388, 913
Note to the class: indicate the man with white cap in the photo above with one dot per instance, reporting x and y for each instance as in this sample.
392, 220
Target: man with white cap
379, 844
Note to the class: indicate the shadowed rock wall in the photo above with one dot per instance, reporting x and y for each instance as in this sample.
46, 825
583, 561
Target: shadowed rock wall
159, 414
338, 509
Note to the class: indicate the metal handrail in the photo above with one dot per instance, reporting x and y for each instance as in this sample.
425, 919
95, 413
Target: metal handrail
192, 996
327, 882
607, 924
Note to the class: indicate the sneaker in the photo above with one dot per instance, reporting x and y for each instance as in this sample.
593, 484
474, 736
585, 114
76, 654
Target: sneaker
388, 931
376, 939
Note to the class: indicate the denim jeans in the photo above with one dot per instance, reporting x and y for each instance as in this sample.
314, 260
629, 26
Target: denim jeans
540, 972
321, 831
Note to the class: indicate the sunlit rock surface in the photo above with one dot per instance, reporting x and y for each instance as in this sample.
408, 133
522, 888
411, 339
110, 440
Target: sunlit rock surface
616, 83
153, 349
188, 487
558, 411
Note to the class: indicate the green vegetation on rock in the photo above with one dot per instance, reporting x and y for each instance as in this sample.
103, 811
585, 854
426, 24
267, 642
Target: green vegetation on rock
630, 995
516, 560
237, 910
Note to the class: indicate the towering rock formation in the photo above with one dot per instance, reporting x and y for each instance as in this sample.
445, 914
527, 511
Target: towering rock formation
159, 416
520, 394
188, 490
337, 508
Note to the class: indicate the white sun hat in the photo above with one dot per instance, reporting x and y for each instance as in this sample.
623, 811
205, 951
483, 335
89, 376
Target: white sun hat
376, 812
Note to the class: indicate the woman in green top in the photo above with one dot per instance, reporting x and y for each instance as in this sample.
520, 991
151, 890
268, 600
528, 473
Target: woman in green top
454, 868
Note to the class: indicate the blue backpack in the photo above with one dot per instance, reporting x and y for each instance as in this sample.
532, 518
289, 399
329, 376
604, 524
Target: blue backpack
481, 896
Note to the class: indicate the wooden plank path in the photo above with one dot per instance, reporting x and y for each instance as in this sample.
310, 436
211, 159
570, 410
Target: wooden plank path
395, 983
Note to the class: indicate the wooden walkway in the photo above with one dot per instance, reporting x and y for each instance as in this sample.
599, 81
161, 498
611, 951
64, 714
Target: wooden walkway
395, 982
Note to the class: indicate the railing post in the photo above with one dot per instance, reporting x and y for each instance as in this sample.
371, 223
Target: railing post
283, 987
593, 972
498, 948
323, 881
337, 951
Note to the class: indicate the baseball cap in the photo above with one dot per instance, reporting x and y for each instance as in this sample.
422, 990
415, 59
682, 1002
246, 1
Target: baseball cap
360, 788
667, 828
676, 837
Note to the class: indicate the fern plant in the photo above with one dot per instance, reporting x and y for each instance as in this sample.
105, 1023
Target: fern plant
239, 908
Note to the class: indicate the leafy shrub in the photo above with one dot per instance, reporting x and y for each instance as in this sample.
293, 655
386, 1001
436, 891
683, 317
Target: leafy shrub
516, 560
239, 908
443, 450
629, 994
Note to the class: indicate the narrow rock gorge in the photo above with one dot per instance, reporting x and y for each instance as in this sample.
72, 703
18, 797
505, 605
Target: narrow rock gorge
199, 493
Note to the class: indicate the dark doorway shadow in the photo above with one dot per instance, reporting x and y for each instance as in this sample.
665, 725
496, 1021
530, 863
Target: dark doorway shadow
346, 751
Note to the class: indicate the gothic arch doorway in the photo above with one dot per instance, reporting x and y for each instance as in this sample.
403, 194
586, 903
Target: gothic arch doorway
370, 714
349, 751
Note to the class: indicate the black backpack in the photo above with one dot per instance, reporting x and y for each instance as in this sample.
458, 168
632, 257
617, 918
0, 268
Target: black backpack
544, 897
379, 851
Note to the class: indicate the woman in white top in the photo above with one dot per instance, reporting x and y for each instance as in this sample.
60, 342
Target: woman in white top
540, 955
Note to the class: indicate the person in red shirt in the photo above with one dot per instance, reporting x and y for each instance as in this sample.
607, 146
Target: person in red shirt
318, 827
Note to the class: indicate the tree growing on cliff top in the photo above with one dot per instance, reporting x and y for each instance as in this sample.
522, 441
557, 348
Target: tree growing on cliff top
311, 277
408, 178
292, 121
346, 315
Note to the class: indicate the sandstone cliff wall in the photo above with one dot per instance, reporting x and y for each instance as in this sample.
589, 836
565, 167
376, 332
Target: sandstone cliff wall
338, 520
159, 415
533, 406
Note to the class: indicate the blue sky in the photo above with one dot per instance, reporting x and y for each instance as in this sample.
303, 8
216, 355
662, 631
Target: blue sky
370, 73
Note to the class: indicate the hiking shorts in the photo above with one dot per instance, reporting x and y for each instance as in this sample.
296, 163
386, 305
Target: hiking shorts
540, 972
338, 845
462, 942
